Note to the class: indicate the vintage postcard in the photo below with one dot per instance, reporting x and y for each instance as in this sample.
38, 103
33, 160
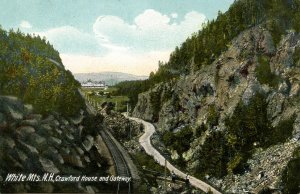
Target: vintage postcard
149, 96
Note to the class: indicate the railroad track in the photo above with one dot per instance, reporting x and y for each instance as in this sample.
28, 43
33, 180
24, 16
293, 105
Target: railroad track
121, 166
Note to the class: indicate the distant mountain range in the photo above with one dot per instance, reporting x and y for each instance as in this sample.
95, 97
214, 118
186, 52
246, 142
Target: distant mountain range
110, 78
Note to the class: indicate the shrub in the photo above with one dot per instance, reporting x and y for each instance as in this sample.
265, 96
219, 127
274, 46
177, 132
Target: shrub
281, 132
250, 124
264, 74
296, 57
213, 116
212, 156
291, 175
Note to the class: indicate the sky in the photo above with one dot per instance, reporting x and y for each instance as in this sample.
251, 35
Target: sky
128, 36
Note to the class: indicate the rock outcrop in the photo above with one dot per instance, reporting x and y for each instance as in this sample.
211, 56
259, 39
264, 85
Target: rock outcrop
121, 128
252, 65
32, 143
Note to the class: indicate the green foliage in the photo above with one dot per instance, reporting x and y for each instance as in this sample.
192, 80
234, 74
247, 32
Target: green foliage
264, 74
132, 89
281, 133
235, 164
143, 159
213, 116
212, 156
202, 48
199, 130
247, 128
248, 125
27, 72
179, 141
296, 57
291, 175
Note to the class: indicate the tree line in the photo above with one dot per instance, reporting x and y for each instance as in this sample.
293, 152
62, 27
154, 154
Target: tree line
204, 46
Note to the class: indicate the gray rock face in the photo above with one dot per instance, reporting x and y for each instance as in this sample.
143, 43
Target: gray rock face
229, 80
143, 108
121, 127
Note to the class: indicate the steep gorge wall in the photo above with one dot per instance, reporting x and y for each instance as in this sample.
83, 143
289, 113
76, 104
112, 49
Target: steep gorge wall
253, 65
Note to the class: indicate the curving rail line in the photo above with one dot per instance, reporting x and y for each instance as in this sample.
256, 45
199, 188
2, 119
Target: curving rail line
122, 168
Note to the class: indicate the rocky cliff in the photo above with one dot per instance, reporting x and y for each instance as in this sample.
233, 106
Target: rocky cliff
248, 98
32, 143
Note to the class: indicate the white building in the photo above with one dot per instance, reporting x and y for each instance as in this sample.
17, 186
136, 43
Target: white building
91, 84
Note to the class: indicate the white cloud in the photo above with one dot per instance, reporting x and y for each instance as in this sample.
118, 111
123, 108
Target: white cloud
174, 15
150, 30
117, 45
151, 19
68, 39
25, 24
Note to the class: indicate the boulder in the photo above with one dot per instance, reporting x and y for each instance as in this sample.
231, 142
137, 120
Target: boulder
69, 137
54, 141
12, 107
2, 120
79, 150
37, 140
48, 119
88, 143
58, 132
30, 122
48, 166
64, 151
53, 154
45, 129
37, 117
55, 123
20, 155
30, 150
74, 160
64, 121
87, 159
26, 130
77, 120
28, 108
7, 142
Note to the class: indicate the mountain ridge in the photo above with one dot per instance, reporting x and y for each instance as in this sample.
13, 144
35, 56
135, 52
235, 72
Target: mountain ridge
111, 78
230, 121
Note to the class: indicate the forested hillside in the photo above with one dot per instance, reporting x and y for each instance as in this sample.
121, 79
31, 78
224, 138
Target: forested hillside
31, 69
227, 103
203, 47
